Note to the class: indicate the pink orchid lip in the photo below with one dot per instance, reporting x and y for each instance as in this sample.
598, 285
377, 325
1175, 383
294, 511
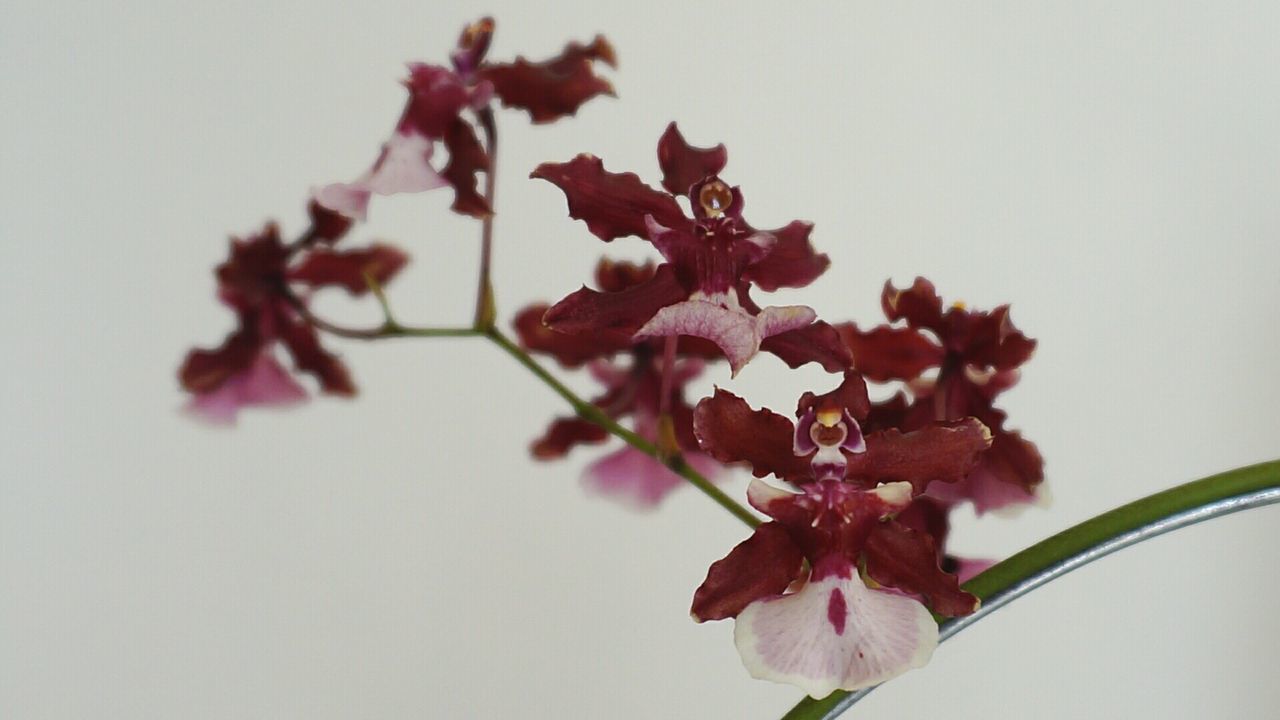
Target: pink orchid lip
263, 384
828, 431
834, 633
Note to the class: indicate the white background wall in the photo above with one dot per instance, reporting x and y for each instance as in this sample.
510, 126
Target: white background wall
1113, 170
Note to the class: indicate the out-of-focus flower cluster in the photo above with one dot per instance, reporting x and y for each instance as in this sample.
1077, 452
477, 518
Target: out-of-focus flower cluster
266, 282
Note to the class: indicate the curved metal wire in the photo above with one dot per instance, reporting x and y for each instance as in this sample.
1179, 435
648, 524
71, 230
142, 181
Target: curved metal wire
997, 600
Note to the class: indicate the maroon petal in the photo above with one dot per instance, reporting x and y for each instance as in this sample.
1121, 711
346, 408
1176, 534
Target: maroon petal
939, 452
887, 353
919, 304
613, 205
436, 97
617, 276
203, 371
817, 343
554, 88
349, 268
730, 431
995, 342
466, 158
624, 312
309, 356
563, 434
762, 565
906, 559
571, 350
683, 164
1014, 460
850, 395
1006, 476
327, 225
793, 263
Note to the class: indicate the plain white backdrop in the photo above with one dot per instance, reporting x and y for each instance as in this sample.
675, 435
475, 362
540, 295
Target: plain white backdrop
1113, 170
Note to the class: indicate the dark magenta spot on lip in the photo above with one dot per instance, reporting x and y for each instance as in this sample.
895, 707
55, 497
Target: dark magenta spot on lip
837, 610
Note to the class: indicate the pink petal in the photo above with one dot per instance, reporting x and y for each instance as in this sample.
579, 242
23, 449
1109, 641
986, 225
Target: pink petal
834, 633
734, 330
985, 489
349, 199
631, 477
404, 166
262, 384
776, 320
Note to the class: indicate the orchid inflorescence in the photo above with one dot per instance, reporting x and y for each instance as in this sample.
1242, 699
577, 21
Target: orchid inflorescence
841, 587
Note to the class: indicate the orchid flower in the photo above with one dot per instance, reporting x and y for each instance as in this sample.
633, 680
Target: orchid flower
805, 613
712, 261
977, 356
434, 116
255, 282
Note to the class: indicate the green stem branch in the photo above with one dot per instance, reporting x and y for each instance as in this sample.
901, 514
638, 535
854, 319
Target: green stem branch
591, 413
1153, 515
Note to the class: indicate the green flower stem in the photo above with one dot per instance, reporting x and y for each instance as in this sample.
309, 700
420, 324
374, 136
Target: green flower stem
591, 413
1183, 505
486, 311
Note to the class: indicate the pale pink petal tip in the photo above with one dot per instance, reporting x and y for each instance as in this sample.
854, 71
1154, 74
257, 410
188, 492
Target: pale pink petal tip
637, 480
835, 633
989, 493
403, 166
734, 330
351, 200
263, 384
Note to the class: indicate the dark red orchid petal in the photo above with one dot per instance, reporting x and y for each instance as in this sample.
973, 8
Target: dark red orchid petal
793, 262
906, 559
309, 356
327, 226
696, 347
887, 353
817, 343
762, 565
919, 304
570, 350
466, 158
437, 97
892, 413
623, 312
994, 342
565, 433
204, 371
253, 275
942, 452
850, 395
730, 431
929, 516
554, 88
349, 268
613, 205
683, 164
1014, 460
615, 276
